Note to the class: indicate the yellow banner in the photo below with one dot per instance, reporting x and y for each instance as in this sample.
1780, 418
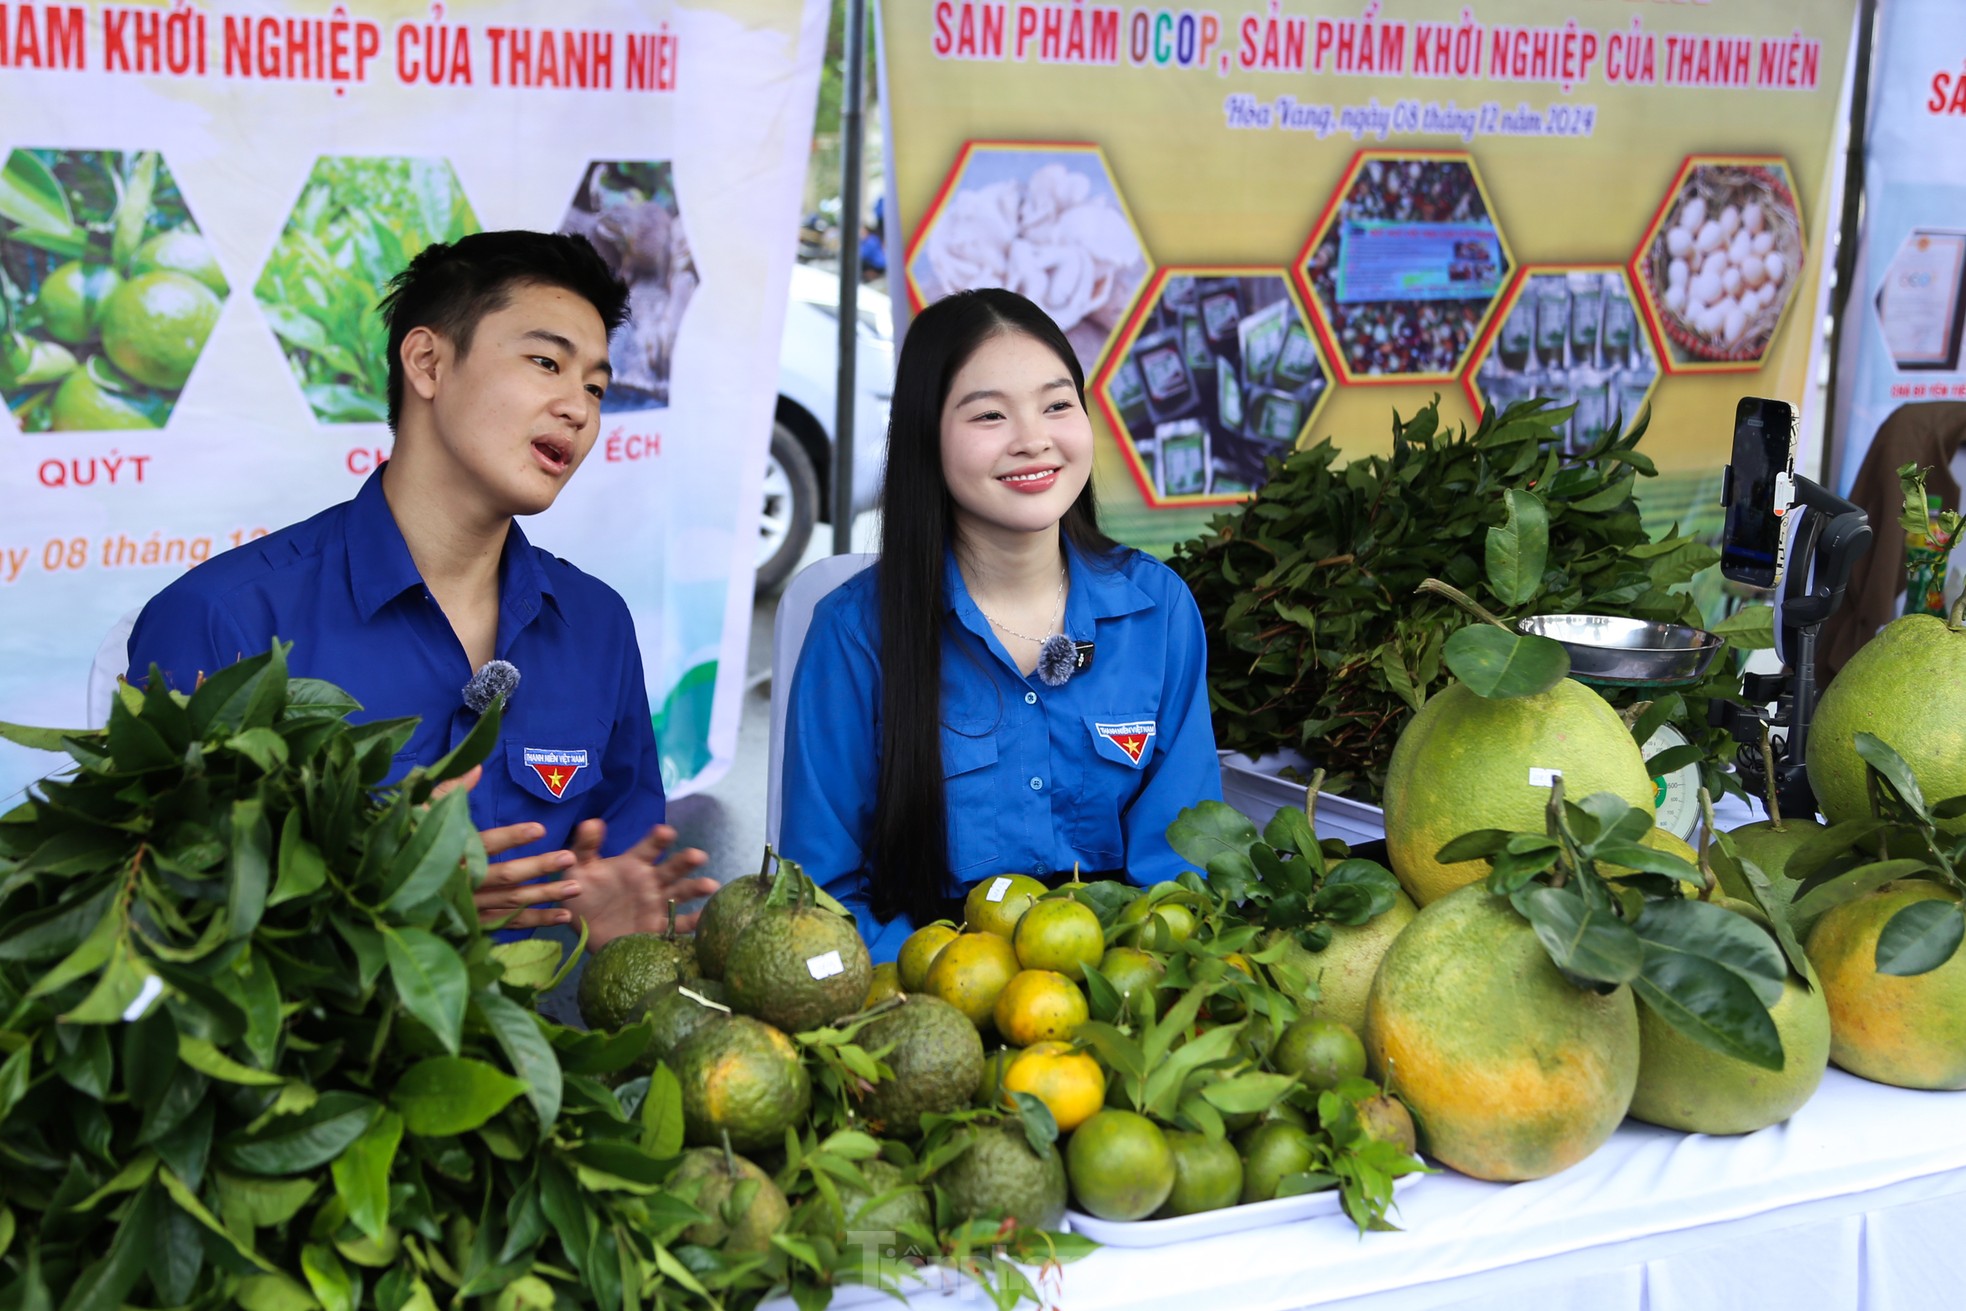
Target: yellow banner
1263, 227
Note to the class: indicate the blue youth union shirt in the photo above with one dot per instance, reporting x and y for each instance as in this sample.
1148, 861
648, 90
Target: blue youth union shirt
576, 740
1036, 777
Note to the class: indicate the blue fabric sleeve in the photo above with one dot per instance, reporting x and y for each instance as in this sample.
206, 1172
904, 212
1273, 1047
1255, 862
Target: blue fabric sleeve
832, 765
1185, 770
186, 634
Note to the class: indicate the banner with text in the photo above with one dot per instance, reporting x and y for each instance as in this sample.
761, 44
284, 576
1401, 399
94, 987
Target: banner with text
200, 203
1268, 225
1907, 307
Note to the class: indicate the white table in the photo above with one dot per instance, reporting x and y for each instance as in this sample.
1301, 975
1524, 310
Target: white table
1858, 1201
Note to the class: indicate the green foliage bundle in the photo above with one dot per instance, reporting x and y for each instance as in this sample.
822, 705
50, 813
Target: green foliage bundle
1318, 640
255, 1048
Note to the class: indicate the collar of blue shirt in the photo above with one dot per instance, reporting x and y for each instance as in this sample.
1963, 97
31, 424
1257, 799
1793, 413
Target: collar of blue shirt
1098, 592
380, 568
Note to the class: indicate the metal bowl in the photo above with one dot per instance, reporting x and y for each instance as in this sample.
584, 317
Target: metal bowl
1628, 652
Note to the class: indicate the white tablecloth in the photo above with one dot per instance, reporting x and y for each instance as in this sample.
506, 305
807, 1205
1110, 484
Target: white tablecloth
1857, 1203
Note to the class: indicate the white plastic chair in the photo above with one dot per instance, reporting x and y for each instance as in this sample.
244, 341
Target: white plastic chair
788, 634
111, 663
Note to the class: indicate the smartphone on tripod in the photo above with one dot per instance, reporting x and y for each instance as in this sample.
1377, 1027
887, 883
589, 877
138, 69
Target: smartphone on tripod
1759, 483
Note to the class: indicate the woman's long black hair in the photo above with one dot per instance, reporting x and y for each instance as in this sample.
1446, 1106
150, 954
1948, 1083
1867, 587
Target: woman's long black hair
909, 853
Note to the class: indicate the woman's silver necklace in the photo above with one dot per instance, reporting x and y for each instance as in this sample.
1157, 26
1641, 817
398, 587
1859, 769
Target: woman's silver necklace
1057, 655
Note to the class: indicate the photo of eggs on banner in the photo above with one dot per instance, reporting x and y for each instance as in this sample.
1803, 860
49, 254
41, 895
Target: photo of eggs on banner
1571, 333
1216, 374
1720, 263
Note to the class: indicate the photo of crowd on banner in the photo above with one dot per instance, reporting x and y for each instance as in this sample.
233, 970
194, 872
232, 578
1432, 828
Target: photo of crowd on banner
1408, 267
1574, 336
1221, 376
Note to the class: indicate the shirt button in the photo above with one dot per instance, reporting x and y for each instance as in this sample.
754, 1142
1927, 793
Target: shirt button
1037, 785
1030, 698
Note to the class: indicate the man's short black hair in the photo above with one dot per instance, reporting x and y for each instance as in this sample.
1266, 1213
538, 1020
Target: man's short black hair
450, 288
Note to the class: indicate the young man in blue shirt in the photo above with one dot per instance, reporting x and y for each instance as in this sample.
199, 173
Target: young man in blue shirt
498, 358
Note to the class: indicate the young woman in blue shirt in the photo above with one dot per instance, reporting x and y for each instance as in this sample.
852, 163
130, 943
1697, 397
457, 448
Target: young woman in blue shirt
1007, 690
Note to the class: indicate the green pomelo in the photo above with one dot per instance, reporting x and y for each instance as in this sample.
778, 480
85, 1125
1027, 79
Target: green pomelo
1683, 1085
750, 1231
623, 973
798, 967
937, 1058
181, 250
1207, 1174
1770, 848
1342, 972
999, 1177
1903, 1030
1466, 763
727, 914
1907, 685
71, 299
742, 1077
155, 325
1510, 1071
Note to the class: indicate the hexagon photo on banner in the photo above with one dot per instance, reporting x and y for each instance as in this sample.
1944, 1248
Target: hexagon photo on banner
1045, 219
1717, 268
110, 290
1402, 269
629, 210
1569, 332
358, 221
1214, 373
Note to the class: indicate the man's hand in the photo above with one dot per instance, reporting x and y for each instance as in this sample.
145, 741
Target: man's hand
509, 885
631, 892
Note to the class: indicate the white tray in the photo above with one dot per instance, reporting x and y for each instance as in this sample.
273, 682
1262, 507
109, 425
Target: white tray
1228, 1220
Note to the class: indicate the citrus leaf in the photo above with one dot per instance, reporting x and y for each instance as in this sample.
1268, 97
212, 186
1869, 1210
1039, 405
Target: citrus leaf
1209, 829
106, 1285
1586, 943
133, 211
361, 1174
293, 1144
1849, 886
1517, 550
1712, 1005
434, 851
1703, 931
525, 1047
1751, 628
302, 868
430, 979
1497, 664
33, 197
252, 851
207, 1059
1478, 845
446, 1095
1040, 1128
1920, 937
1877, 753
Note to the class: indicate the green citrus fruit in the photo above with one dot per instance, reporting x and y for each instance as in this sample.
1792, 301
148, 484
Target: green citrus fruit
937, 1059
798, 967
1906, 1030
1385, 1119
1684, 1085
1136, 975
743, 1078
1039, 1006
971, 972
1153, 925
1207, 1174
1069, 1083
1341, 974
1120, 1165
996, 904
621, 976
181, 250
1320, 1052
1907, 685
1271, 1151
707, 1168
919, 952
154, 326
999, 1177
885, 982
677, 1009
71, 299
1510, 1070
1465, 762
727, 914
1059, 935
84, 405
